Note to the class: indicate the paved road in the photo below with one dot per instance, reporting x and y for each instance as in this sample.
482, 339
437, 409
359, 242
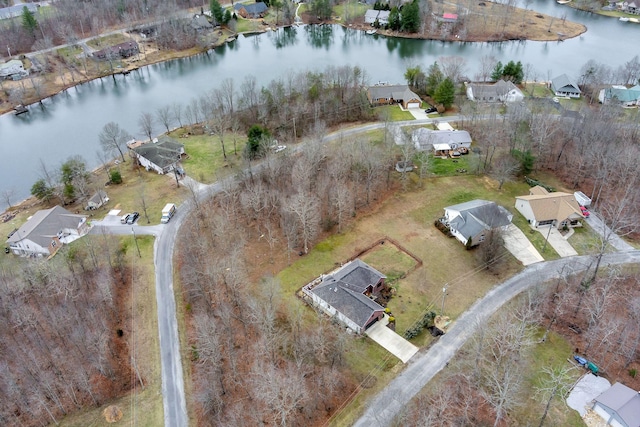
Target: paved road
595, 221
382, 410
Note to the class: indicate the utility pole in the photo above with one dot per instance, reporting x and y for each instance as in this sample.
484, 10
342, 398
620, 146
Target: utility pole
444, 294
547, 239
135, 239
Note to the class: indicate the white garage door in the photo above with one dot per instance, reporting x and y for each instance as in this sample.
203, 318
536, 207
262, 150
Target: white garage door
413, 105
602, 412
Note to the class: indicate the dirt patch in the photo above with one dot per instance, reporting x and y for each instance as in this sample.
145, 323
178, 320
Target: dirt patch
112, 414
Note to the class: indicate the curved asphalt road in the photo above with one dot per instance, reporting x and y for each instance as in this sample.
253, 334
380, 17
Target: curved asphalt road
382, 410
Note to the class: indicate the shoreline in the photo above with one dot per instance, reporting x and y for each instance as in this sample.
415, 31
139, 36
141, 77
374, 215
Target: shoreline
6, 107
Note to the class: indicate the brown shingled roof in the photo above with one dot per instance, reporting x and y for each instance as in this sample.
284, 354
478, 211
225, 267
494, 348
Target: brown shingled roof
558, 206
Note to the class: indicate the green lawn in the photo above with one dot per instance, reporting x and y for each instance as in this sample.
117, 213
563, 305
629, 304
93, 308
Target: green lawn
394, 113
552, 353
106, 41
450, 166
206, 163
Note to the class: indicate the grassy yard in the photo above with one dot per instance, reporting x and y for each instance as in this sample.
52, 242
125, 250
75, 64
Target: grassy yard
450, 166
394, 113
106, 41
552, 353
206, 163
248, 25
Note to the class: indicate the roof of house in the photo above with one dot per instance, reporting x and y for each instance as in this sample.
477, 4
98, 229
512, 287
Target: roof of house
344, 290
44, 225
537, 191
624, 400
492, 90
558, 206
127, 46
99, 197
371, 15
424, 136
13, 11
478, 215
565, 84
396, 92
623, 95
162, 153
252, 8
199, 22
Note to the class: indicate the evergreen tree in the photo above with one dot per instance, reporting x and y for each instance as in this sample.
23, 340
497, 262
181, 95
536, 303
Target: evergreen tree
29, 21
41, 190
497, 72
434, 78
445, 93
394, 19
216, 12
411, 17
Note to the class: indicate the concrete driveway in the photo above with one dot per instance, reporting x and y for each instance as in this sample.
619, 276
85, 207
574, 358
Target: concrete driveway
588, 388
516, 242
419, 114
391, 341
557, 241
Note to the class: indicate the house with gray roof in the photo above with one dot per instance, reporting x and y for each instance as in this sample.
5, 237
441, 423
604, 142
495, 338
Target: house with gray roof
251, 10
13, 69
620, 95
121, 50
500, 91
440, 141
372, 15
468, 222
160, 155
46, 231
349, 294
99, 199
200, 23
618, 406
13, 11
393, 94
565, 86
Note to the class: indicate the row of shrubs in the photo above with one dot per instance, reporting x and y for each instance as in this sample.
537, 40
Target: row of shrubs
425, 322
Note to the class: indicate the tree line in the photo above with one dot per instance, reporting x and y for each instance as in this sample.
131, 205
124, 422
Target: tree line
65, 341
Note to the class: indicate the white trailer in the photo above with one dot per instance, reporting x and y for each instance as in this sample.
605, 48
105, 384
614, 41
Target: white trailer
168, 212
582, 199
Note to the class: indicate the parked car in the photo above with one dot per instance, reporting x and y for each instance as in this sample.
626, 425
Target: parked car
585, 211
124, 218
431, 110
132, 218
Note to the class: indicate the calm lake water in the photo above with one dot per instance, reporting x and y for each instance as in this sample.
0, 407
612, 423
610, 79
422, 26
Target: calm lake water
68, 124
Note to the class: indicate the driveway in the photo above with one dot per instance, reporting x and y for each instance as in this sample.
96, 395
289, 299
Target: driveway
391, 341
520, 247
588, 388
557, 241
386, 405
595, 221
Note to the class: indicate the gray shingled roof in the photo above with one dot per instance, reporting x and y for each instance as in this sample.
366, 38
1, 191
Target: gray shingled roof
344, 290
163, 153
252, 8
564, 84
495, 90
44, 225
624, 401
424, 138
396, 92
478, 215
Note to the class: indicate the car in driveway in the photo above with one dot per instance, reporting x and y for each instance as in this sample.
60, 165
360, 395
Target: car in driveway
132, 218
585, 211
431, 110
124, 218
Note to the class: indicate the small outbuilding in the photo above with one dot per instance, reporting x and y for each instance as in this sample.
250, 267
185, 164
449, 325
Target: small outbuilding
98, 200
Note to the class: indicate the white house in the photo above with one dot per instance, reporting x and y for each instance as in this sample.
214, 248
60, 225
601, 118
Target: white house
46, 231
619, 406
621, 95
543, 208
349, 294
161, 155
468, 222
500, 91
